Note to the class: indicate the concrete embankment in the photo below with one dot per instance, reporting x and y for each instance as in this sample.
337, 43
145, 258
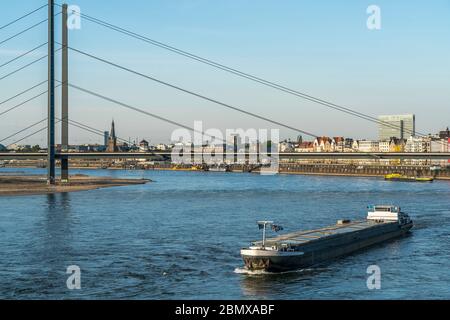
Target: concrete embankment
364, 171
329, 170
325, 169
29, 185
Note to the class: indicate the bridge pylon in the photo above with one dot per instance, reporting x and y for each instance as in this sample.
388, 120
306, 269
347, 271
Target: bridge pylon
65, 97
51, 96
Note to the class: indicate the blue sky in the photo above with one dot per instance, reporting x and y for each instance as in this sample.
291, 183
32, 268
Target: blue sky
322, 48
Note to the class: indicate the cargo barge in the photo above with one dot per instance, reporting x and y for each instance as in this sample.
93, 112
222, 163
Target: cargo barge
403, 178
303, 249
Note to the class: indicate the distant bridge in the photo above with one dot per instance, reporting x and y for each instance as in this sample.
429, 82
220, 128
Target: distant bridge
52, 151
296, 155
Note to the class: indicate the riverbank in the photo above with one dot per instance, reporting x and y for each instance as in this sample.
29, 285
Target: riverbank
315, 169
360, 175
11, 185
282, 171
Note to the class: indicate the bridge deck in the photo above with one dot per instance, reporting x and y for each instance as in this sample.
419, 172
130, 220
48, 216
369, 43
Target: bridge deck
300, 155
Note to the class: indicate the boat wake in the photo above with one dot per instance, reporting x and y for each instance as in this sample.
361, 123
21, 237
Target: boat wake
245, 271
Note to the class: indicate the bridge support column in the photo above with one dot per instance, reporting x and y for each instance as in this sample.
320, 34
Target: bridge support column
65, 98
51, 95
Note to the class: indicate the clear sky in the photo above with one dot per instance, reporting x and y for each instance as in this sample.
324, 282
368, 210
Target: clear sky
320, 47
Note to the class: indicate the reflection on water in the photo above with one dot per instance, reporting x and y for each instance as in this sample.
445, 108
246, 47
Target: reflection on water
59, 221
262, 284
56, 250
180, 236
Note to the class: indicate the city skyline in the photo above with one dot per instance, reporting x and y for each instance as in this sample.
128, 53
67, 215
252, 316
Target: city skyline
394, 131
390, 126
382, 70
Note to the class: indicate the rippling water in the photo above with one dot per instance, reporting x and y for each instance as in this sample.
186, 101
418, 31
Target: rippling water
179, 238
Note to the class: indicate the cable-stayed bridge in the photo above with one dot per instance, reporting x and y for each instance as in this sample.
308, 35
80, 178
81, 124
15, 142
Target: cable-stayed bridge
49, 123
281, 155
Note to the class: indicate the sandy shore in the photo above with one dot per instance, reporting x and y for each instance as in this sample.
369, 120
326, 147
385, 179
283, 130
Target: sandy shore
12, 185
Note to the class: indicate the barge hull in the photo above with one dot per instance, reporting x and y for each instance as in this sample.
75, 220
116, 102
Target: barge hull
326, 249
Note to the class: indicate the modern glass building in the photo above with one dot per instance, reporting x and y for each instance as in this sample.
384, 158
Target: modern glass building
399, 126
105, 138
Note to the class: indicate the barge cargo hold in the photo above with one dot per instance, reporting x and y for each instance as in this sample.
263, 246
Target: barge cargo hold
303, 249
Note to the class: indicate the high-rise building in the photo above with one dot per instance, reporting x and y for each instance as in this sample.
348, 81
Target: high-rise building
105, 138
398, 126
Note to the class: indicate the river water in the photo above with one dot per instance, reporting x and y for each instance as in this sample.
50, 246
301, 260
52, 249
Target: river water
179, 238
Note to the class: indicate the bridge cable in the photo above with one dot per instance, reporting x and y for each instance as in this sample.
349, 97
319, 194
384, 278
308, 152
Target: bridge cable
22, 103
207, 98
76, 124
26, 66
23, 55
29, 136
193, 93
22, 17
149, 114
98, 131
177, 124
27, 29
95, 130
22, 68
101, 133
25, 102
22, 32
91, 129
23, 130
81, 127
240, 73
23, 92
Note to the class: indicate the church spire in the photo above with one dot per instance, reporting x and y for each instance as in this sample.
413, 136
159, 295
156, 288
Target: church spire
113, 130
112, 140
